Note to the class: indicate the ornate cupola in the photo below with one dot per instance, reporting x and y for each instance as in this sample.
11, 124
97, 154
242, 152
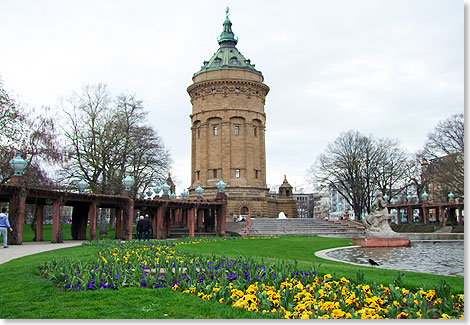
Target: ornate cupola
228, 56
285, 190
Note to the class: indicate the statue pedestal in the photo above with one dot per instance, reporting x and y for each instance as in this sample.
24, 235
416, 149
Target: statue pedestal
381, 241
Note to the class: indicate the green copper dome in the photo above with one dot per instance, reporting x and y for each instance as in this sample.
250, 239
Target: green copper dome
227, 56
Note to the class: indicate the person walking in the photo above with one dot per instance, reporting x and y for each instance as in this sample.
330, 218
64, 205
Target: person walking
140, 225
4, 227
146, 227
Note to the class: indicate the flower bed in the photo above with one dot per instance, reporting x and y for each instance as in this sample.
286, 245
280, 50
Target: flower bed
280, 289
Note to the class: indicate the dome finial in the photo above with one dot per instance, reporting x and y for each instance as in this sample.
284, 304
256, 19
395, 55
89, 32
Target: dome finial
226, 12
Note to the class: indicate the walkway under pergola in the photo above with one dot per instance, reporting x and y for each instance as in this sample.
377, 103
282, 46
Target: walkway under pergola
194, 213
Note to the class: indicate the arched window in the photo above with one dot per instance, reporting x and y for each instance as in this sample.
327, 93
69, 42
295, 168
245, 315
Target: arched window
217, 61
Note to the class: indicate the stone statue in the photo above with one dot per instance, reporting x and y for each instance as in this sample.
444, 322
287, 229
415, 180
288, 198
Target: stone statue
377, 222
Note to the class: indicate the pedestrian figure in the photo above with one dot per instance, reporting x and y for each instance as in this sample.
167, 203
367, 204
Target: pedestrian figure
140, 224
146, 227
4, 227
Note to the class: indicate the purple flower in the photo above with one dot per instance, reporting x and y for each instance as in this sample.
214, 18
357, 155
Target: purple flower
143, 284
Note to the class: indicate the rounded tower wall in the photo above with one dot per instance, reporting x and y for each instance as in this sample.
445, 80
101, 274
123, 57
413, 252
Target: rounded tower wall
228, 132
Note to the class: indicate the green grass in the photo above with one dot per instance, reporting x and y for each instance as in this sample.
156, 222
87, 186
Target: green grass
24, 294
28, 234
303, 248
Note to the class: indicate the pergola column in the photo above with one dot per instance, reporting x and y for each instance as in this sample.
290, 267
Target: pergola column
410, 215
17, 205
56, 221
221, 219
191, 222
159, 223
460, 219
425, 215
92, 221
39, 222
398, 216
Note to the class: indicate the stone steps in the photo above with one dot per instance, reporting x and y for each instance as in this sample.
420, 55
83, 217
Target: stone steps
274, 227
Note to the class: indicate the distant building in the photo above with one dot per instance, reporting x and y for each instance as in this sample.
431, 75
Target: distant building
305, 204
339, 207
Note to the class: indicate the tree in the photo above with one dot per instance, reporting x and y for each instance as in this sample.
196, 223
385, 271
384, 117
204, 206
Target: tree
392, 168
108, 137
444, 154
358, 166
31, 134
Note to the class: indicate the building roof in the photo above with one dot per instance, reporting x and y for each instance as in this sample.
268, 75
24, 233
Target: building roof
227, 56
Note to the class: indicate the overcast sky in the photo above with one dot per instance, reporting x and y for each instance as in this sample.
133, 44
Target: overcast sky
387, 68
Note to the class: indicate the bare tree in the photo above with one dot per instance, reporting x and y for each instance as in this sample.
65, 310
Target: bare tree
108, 137
358, 166
392, 168
31, 134
444, 154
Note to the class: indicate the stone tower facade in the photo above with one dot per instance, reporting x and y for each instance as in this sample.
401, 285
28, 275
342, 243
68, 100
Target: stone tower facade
228, 128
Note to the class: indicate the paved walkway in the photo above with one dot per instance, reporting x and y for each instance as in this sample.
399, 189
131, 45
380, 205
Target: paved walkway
30, 248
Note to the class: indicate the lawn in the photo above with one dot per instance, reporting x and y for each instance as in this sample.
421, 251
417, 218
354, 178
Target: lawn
28, 234
26, 295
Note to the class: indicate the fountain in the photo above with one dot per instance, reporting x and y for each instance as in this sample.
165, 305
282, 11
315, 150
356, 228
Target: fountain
377, 228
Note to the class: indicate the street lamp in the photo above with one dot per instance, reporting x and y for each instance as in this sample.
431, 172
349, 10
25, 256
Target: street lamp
82, 185
18, 164
199, 190
221, 185
128, 181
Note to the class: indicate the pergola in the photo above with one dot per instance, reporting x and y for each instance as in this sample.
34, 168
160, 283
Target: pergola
442, 210
194, 213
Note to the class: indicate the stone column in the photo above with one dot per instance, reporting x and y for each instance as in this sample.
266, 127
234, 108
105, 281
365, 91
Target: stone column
425, 214
159, 223
410, 215
56, 222
460, 219
221, 219
39, 222
191, 222
17, 205
92, 221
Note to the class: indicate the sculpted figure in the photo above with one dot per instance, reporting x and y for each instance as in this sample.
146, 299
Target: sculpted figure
377, 221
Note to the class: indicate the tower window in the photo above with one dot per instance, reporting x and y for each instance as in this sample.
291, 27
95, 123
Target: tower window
237, 173
198, 133
234, 61
237, 90
257, 172
255, 131
214, 172
237, 129
215, 130
213, 90
197, 174
217, 61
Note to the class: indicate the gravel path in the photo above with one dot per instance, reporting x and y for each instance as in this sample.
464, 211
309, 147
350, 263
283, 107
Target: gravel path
30, 248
